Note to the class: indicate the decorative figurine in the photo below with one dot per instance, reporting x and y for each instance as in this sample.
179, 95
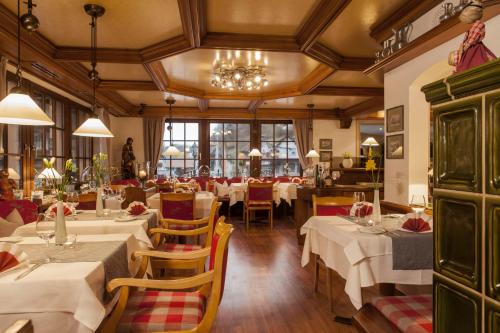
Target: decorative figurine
472, 52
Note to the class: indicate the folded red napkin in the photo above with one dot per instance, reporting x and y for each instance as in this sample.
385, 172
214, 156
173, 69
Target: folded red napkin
416, 225
11, 256
67, 210
136, 208
365, 210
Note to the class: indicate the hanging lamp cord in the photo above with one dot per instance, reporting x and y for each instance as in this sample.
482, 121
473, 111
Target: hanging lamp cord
93, 73
19, 73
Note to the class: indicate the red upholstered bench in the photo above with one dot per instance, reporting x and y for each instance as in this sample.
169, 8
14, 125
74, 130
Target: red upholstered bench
407, 314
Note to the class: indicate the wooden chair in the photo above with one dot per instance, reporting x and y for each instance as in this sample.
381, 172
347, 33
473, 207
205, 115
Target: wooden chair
133, 194
259, 196
150, 308
328, 206
388, 207
204, 226
87, 201
117, 187
180, 207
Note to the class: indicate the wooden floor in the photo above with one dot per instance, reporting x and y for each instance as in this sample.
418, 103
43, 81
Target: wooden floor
268, 291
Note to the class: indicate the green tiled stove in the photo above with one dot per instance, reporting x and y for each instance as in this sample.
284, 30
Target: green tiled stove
466, 112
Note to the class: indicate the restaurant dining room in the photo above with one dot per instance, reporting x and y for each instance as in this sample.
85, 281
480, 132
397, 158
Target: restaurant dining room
250, 166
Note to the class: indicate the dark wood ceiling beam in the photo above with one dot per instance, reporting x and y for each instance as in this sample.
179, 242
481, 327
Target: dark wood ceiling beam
165, 49
254, 105
203, 104
347, 91
327, 56
320, 19
409, 11
231, 41
158, 74
356, 64
369, 106
79, 54
127, 85
314, 79
236, 113
194, 20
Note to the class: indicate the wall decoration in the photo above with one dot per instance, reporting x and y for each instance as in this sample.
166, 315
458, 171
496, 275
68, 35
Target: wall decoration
395, 119
325, 144
395, 146
325, 156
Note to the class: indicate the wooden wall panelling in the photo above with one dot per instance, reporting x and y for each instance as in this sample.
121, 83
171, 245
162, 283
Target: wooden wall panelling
194, 20
164, 49
133, 85
346, 91
493, 143
493, 248
203, 104
492, 317
231, 41
80, 54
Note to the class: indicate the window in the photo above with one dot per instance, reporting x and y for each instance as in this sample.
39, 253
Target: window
81, 147
229, 148
278, 150
185, 137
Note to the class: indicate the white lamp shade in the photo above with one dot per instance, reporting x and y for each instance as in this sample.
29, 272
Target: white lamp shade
370, 142
255, 153
49, 173
93, 127
171, 151
13, 174
312, 154
20, 109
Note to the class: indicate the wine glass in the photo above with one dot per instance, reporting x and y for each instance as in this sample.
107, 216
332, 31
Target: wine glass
45, 230
418, 203
358, 199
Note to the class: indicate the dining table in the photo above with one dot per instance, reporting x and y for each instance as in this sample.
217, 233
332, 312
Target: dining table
67, 294
203, 203
362, 259
88, 223
237, 193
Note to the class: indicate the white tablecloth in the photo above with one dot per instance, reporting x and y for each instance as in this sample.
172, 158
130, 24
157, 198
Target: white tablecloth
363, 260
288, 192
138, 228
114, 202
237, 193
202, 204
69, 292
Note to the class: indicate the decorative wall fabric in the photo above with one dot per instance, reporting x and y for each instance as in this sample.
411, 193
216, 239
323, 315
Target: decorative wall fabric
153, 139
303, 139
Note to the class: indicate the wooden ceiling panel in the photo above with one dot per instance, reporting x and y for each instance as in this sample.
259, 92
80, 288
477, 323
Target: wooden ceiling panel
226, 103
156, 98
65, 23
108, 71
320, 102
349, 34
283, 69
351, 79
276, 17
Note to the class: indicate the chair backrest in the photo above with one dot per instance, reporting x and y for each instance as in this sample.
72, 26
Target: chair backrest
331, 206
388, 207
27, 209
178, 206
133, 194
213, 217
87, 201
218, 264
260, 192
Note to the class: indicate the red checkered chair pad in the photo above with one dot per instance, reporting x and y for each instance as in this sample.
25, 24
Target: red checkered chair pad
411, 314
160, 311
173, 247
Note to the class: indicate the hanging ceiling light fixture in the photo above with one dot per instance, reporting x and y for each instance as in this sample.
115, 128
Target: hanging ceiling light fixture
93, 126
171, 150
228, 77
312, 153
18, 108
29, 21
255, 152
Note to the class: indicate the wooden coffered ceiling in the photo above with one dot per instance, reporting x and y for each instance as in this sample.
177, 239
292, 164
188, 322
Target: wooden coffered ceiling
313, 51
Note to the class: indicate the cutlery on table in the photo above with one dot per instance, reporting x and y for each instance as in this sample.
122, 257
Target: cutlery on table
29, 270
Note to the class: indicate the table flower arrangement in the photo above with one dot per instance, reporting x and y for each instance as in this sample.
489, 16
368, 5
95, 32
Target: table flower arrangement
372, 168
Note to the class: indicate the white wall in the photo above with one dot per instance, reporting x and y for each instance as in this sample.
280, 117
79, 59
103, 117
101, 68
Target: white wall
122, 128
402, 87
344, 140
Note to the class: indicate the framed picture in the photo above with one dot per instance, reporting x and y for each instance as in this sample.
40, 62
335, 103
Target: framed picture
395, 146
325, 156
325, 144
395, 119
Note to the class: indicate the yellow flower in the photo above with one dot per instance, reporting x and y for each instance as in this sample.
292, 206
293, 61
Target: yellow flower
370, 165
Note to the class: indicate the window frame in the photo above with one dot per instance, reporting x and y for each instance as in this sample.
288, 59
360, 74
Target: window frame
274, 142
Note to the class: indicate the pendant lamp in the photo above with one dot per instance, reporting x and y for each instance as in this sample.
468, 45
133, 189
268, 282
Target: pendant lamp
312, 153
18, 108
171, 150
93, 127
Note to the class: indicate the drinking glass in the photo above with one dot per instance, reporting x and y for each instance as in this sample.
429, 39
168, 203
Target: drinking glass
418, 203
73, 201
358, 199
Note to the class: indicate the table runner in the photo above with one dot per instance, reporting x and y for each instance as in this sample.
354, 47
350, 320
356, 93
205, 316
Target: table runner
411, 250
113, 256
151, 217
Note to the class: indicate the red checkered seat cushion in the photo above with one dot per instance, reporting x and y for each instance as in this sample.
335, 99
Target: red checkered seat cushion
160, 311
411, 314
173, 247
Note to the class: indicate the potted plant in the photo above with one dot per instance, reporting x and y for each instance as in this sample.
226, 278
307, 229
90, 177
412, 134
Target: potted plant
347, 162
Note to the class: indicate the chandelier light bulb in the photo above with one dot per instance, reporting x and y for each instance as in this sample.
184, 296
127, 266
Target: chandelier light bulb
237, 76
230, 77
217, 78
249, 83
257, 78
265, 83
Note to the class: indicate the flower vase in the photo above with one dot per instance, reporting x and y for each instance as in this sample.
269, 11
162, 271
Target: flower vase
99, 206
60, 230
376, 216
347, 163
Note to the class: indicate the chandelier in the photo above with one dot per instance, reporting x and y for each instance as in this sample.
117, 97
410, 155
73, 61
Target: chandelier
240, 78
